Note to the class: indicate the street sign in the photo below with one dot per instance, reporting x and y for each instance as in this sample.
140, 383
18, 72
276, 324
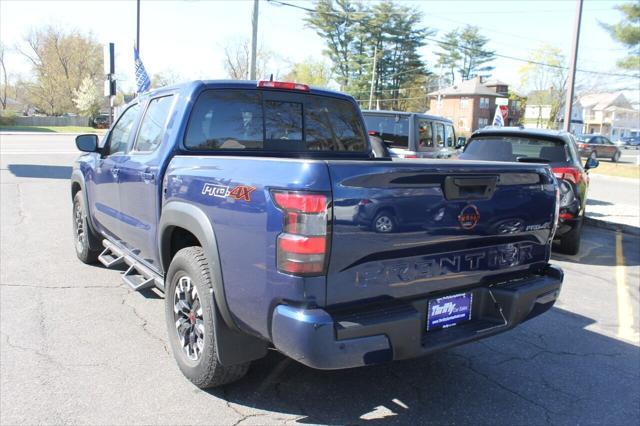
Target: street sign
109, 61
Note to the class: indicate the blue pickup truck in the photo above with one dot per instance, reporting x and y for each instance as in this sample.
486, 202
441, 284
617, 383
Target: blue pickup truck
262, 213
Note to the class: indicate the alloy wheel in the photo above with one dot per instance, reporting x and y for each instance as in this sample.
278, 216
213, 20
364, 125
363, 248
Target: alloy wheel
189, 322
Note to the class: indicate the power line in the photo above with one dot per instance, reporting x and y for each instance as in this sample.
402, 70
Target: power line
440, 42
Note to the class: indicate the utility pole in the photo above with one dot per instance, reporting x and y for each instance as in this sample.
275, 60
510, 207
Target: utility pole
373, 75
254, 41
572, 67
138, 27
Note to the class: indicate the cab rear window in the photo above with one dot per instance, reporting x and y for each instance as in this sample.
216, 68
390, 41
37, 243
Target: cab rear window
250, 120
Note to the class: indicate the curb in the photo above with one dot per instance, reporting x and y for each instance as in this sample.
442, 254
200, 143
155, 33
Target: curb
612, 226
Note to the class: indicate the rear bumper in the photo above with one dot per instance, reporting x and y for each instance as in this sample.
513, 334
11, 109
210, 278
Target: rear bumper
397, 331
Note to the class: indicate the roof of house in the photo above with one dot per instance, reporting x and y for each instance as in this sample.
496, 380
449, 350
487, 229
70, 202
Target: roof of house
492, 83
600, 101
467, 87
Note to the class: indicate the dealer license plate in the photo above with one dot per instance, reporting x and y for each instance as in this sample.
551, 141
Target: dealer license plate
448, 311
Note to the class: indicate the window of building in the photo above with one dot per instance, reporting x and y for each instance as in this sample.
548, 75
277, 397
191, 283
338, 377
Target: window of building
464, 103
483, 122
484, 103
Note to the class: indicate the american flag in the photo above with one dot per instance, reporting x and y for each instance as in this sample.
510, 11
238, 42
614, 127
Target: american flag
498, 119
142, 78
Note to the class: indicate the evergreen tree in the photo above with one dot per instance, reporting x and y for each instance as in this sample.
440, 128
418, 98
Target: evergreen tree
627, 32
463, 51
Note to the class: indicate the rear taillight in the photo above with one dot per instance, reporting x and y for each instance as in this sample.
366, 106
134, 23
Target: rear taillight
286, 85
410, 156
571, 174
302, 246
582, 146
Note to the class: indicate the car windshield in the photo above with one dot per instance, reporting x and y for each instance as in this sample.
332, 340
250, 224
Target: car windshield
392, 129
513, 148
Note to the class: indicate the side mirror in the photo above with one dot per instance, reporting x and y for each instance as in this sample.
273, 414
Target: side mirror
591, 163
87, 143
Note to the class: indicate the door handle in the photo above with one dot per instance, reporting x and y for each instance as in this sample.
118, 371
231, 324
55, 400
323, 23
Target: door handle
115, 172
147, 176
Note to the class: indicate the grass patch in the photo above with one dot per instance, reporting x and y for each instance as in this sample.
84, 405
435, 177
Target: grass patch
50, 129
617, 169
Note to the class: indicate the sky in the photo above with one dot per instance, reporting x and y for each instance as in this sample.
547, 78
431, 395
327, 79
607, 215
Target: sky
188, 37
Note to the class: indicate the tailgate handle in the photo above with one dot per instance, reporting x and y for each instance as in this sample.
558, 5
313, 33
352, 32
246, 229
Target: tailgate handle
469, 188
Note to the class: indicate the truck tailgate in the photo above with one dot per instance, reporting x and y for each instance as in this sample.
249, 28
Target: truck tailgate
449, 225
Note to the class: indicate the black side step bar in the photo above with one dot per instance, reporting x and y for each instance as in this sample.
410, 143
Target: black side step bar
137, 276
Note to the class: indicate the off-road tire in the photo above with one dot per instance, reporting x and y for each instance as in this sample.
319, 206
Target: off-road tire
206, 371
570, 242
87, 245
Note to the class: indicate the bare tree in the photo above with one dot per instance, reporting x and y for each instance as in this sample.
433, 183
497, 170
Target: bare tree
61, 61
5, 79
236, 61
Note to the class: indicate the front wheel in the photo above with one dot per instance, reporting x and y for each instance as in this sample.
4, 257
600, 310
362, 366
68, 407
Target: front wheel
384, 222
615, 157
189, 310
85, 242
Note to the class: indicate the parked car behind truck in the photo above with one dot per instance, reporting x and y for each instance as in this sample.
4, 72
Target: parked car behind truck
239, 201
555, 148
412, 135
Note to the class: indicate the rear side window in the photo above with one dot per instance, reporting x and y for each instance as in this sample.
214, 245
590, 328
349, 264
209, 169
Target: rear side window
243, 120
439, 130
392, 129
152, 126
425, 135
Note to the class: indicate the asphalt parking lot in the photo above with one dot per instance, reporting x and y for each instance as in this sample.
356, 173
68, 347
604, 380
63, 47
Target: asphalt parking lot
77, 346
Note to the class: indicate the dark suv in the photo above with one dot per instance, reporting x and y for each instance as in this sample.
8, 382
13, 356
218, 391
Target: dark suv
556, 148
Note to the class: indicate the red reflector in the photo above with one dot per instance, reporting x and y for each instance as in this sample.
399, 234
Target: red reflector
300, 244
301, 268
305, 203
569, 173
566, 216
410, 156
283, 85
371, 132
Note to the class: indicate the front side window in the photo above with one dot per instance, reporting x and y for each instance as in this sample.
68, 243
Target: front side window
119, 137
449, 135
152, 126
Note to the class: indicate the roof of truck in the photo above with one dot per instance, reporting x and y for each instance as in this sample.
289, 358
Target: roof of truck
236, 84
387, 112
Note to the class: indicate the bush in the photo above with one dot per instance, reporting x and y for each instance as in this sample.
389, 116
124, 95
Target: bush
7, 118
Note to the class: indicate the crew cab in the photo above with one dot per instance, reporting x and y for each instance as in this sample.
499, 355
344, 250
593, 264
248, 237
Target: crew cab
240, 201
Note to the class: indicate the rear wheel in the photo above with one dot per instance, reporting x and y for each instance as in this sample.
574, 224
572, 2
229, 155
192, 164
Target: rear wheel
570, 242
189, 310
86, 243
616, 157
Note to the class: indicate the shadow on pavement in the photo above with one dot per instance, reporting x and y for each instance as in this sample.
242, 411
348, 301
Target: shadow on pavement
40, 171
599, 248
592, 202
548, 370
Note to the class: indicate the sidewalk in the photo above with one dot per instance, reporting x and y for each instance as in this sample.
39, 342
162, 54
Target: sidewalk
614, 203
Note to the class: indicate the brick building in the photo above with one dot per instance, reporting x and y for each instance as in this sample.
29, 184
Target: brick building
471, 104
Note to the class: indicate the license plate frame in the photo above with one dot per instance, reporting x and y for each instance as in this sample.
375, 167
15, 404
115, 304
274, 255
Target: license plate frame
449, 311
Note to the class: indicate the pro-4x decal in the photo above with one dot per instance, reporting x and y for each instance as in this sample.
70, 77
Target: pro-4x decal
240, 192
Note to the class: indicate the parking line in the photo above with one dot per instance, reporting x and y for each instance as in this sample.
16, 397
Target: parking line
625, 310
